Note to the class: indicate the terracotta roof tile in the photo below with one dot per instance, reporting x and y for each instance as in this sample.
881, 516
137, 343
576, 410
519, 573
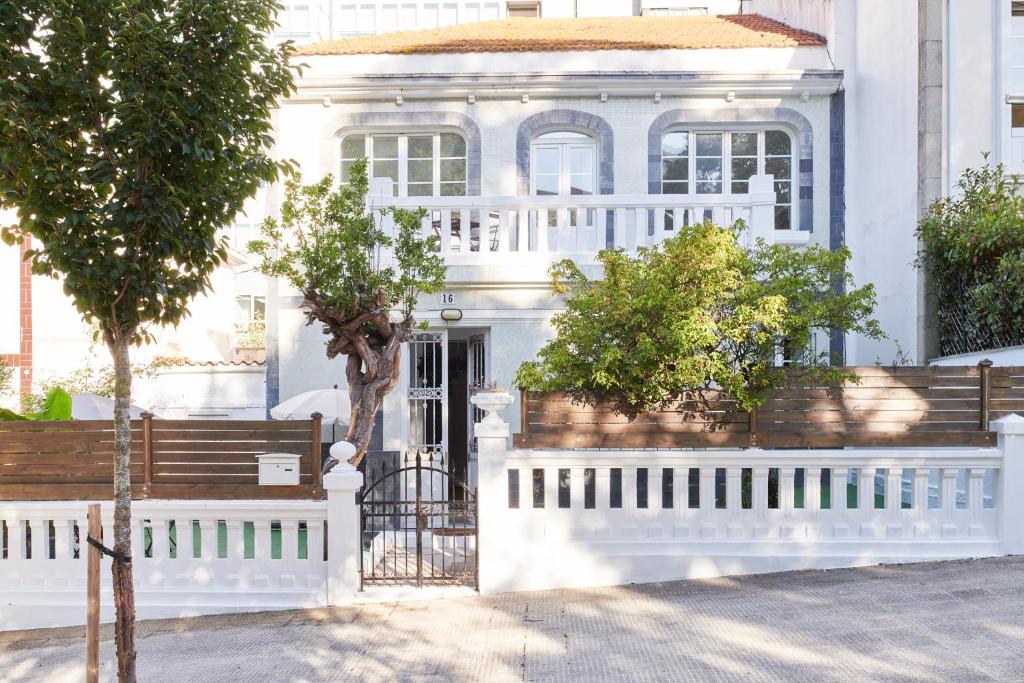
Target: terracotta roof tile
605, 33
169, 361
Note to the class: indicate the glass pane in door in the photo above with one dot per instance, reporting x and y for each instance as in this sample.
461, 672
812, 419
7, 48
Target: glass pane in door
547, 163
581, 170
427, 389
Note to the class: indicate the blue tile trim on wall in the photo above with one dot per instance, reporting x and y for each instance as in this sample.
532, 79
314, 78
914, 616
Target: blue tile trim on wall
592, 123
762, 115
837, 197
399, 119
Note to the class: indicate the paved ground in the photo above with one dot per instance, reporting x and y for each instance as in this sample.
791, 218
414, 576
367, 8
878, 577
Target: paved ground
954, 621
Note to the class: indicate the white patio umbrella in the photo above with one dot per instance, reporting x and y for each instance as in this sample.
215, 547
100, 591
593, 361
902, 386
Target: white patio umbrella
332, 404
90, 406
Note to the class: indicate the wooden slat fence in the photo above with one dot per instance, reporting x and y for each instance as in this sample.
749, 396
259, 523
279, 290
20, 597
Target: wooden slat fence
912, 406
171, 459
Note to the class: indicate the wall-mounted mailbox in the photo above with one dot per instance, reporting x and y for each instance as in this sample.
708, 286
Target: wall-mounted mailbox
278, 469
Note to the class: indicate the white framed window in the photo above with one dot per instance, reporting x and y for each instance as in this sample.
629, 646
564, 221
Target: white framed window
421, 164
295, 18
707, 162
563, 163
1013, 76
249, 308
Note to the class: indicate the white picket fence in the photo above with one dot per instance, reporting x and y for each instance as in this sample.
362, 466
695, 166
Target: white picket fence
554, 518
189, 557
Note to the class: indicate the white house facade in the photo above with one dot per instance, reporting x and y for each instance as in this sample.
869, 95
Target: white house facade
831, 123
596, 148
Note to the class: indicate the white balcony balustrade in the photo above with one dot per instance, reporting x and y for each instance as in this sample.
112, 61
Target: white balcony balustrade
539, 230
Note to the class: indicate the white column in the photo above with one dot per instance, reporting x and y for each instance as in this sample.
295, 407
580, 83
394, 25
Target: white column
343, 534
492, 504
919, 501
837, 499
207, 540
734, 500
1009, 501
707, 502
947, 497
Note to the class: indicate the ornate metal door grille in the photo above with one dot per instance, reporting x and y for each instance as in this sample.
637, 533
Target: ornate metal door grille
425, 537
428, 393
477, 380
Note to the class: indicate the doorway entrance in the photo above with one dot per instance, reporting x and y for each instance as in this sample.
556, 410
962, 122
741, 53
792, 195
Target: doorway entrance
445, 366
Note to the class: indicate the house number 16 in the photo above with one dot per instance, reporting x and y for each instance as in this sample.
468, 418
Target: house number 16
447, 299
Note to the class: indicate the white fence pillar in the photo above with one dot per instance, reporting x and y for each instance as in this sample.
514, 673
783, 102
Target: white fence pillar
1010, 502
492, 434
343, 538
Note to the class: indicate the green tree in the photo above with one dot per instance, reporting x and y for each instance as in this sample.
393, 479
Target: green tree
973, 252
700, 312
358, 280
130, 132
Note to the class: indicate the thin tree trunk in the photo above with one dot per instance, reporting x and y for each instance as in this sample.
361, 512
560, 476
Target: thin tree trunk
124, 592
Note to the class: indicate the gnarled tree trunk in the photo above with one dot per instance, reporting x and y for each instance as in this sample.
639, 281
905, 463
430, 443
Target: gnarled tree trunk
372, 344
124, 591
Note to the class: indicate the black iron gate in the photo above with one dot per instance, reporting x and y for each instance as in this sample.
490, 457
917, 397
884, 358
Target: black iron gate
414, 531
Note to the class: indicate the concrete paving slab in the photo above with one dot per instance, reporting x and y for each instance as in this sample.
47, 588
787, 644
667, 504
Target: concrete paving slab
947, 621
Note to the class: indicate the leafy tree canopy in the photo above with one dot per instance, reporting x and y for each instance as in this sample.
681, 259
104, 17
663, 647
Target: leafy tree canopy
973, 251
359, 278
696, 313
130, 132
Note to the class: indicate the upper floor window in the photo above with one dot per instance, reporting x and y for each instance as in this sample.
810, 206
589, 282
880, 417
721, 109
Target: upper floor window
704, 162
295, 18
420, 164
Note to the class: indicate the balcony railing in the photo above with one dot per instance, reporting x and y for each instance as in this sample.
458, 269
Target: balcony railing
517, 231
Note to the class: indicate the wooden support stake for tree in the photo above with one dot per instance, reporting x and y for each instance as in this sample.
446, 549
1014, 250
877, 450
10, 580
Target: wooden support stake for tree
92, 611
147, 452
985, 386
315, 436
752, 426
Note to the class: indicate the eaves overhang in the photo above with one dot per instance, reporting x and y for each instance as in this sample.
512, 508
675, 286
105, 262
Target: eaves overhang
511, 85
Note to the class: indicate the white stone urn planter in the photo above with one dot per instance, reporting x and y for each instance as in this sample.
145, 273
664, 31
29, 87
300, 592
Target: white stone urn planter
492, 402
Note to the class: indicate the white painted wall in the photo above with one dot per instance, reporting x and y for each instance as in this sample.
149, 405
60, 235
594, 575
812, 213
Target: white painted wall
10, 304
223, 392
545, 544
879, 59
817, 16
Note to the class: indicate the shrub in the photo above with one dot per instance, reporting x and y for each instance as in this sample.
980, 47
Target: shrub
973, 252
699, 312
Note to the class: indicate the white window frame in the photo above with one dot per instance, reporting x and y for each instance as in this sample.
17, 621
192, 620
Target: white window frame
564, 144
1008, 137
252, 299
402, 181
286, 18
727, 179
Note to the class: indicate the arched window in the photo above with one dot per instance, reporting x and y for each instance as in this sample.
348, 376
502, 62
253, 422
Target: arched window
702, 161
421, 164
564, 162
